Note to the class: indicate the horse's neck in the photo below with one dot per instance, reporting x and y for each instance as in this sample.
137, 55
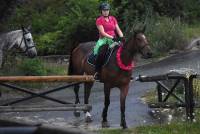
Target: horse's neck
128, 53
12, 38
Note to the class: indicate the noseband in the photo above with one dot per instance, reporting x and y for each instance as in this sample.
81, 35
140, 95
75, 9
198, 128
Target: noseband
142, 47
27, 47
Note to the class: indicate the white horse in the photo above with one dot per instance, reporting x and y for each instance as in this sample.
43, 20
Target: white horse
19, 39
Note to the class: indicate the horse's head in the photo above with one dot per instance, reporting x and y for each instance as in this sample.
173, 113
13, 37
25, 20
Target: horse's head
26, 43
142, 44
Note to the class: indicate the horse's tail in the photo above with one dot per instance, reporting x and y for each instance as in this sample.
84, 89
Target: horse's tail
70, 66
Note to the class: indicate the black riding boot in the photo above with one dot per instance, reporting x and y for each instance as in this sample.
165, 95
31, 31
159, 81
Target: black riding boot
98, 67
100, 60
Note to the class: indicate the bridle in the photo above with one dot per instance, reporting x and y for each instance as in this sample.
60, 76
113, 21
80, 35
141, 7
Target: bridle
25, 42
142, 47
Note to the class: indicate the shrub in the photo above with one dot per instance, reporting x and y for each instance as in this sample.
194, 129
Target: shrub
58, 25
165, 34
32, 67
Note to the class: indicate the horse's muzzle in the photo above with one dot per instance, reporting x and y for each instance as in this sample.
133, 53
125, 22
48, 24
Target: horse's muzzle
31, 53
147, 55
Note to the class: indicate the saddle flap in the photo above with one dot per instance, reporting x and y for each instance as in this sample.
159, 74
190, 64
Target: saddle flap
91, 59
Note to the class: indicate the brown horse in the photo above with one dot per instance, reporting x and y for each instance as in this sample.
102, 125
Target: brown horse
111, 75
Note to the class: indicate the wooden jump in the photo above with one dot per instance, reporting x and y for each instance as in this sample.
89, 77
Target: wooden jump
73, 78
66, 106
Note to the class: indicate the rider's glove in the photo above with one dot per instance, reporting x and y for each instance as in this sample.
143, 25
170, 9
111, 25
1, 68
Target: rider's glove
117, 39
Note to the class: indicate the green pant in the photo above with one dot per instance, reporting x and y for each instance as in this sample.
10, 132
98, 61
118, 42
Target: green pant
101, 42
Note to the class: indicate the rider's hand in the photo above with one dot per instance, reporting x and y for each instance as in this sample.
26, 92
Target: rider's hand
117, 39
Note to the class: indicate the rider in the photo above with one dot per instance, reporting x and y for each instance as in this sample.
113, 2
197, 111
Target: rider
108, 27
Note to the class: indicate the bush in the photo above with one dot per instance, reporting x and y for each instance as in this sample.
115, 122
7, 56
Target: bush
58, 25
39, 67
165, 34
31, 67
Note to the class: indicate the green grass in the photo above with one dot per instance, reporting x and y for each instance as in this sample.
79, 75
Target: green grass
174, 128
150, 96
115, 131
192, 31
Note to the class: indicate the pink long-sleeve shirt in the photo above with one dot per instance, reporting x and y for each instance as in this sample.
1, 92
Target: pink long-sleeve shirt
109, 26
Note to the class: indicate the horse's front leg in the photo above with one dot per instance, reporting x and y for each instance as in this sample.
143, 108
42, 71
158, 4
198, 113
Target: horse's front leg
87, 91
123, 94
106, 105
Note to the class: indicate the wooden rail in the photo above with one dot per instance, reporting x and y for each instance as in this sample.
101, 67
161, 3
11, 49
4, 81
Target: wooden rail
67, 107
73, 78
184, 75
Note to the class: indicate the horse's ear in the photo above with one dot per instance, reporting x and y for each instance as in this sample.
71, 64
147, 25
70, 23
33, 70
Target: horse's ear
144, 28
22, 27
29, 28
135, 33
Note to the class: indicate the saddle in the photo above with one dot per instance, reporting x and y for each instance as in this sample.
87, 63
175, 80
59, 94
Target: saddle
105, 53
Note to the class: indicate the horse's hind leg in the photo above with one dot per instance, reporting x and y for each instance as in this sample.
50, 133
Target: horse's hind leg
76, 91
87, 91
2, 59
106, 105
77, 101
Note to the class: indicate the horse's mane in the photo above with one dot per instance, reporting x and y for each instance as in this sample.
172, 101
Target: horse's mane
5, 38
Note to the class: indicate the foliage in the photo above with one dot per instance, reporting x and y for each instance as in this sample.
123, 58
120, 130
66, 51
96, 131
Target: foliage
187, 10
6, 9
191, 11
57, 25
32, 67
166, 34
40, 67
18, 65
192, 31
48, 42
175, 128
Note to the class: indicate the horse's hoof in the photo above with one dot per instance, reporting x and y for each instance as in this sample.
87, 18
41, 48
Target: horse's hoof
105, 124
77, 114
88, 119
124, 126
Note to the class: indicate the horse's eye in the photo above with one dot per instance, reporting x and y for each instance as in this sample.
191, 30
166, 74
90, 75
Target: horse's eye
28, 40
138, 39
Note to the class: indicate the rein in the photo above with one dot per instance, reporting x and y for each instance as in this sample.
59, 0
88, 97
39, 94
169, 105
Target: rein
23, 39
